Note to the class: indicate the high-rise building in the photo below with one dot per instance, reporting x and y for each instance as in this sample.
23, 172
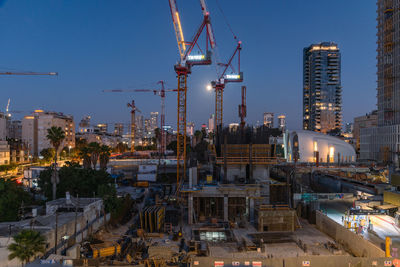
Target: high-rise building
366, 121
140, 129
153, 121
147, 127
382, 143
15, 130
282, 122
269, 119
190, 128
34, 130
322, 90
211, 123
118, 129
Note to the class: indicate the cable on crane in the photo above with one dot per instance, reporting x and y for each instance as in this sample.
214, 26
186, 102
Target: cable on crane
226, 20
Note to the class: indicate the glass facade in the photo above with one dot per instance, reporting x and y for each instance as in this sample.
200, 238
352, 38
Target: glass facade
322, 91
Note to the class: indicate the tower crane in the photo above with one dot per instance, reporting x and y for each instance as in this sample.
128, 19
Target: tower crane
160, 93
29, 73
133, 126
243, 109
222, 80
183, 69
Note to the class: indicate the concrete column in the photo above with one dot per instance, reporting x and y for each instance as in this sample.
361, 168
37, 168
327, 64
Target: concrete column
251, 210
225, 208
190, 209
190, 177
268, 172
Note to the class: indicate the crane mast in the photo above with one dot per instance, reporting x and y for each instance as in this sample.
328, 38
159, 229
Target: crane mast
183, 69
133, 123
219, 85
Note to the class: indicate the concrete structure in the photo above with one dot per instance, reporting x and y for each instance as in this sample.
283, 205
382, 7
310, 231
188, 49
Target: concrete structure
225, 202
308, 146
269, 119
382, 143
269, 218
71, 227
4, 153
359, 246
366, 121
3, 126
322, 90
35, 126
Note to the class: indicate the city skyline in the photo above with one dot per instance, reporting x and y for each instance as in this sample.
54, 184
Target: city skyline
111, 50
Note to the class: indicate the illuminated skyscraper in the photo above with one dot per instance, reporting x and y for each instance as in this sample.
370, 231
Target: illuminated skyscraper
322, 90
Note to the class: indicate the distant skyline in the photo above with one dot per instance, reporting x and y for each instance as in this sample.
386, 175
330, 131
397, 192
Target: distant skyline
98, 45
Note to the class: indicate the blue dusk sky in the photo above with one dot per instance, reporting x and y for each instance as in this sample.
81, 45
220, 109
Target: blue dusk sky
109, 44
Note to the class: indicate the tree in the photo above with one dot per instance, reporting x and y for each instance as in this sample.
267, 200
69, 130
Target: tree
47, 154
105, 153
55, 135
94, 149
27, 244
84, 154
11, 197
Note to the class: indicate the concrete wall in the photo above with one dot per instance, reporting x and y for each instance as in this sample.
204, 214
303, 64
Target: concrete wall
352, 242
314, 261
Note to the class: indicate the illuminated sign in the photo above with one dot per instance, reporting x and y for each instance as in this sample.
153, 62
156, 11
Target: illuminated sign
196, 57
233, 76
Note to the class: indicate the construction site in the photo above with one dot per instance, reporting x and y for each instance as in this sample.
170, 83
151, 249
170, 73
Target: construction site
237, 195
242, 201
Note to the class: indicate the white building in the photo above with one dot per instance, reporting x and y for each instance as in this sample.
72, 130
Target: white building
34, 130
306, 146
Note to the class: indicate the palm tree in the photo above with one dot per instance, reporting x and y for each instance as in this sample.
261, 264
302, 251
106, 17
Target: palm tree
105, 152
27, 244
94, 148
56, 136
84, 154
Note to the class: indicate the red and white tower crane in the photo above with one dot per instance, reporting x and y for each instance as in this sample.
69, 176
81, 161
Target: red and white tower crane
183, 69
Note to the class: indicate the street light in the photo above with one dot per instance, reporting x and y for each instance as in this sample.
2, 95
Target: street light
69, 150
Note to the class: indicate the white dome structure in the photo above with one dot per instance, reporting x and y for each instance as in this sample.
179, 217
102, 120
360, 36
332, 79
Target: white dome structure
307, 146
